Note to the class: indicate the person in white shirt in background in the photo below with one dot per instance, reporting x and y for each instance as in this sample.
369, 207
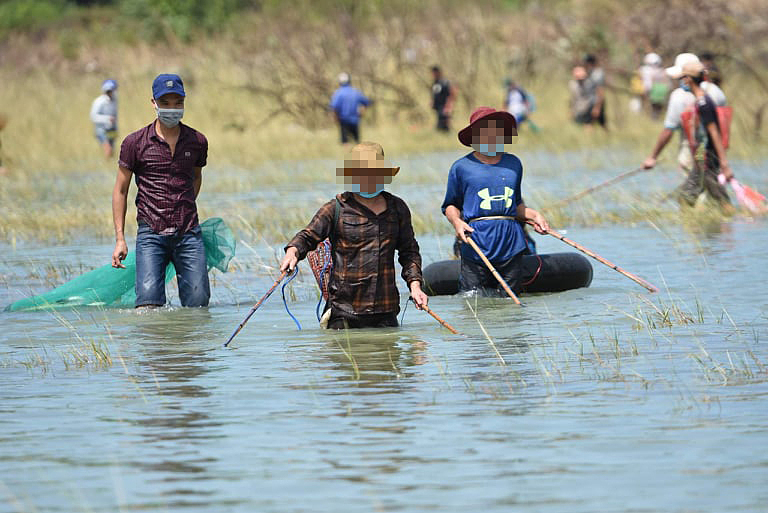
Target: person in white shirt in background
104, 117
656, 84
679, 101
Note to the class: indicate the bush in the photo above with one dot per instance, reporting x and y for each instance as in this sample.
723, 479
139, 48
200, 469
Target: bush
180, 17
16, 15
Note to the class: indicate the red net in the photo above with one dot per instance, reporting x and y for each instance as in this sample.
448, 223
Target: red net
321, 263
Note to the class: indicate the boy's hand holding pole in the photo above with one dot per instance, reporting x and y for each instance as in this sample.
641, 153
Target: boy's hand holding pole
535, 219
290, 260
453, 215
420, 299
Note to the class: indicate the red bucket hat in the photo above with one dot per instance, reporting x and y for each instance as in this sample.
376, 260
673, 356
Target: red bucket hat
482, 113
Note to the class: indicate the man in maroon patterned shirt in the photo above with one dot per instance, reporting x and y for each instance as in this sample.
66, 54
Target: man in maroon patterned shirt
167, 158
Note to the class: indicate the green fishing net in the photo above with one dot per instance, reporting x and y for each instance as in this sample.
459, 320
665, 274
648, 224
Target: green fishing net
116, 287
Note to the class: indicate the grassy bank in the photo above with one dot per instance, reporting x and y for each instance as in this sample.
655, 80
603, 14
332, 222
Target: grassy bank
258, 89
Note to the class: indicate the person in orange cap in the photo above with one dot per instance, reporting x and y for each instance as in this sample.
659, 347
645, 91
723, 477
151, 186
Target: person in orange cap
483, 198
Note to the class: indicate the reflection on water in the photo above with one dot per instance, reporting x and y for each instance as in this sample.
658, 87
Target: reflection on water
373, 357
175, 360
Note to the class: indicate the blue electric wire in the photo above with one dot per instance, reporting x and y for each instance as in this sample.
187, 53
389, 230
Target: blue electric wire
404, 309
285, 303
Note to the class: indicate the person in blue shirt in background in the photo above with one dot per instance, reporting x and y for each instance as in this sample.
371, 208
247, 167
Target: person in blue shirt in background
348, 105
483, 199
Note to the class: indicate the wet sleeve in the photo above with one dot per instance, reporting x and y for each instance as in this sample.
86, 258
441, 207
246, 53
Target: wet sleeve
453, 191
318, 229
407, 248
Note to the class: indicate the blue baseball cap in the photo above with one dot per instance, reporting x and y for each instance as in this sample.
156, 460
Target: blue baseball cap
167, 83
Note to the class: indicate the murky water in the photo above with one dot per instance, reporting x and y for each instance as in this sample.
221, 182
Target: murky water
606, 399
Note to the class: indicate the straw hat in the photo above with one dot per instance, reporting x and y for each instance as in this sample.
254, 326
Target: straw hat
367, 158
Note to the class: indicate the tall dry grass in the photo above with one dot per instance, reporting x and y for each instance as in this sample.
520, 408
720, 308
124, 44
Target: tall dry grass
258, 90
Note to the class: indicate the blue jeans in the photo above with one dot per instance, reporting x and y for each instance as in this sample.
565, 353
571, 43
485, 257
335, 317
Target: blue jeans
186, 251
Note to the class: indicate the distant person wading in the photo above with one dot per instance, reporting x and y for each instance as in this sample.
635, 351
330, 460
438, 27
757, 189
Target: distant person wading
682, 100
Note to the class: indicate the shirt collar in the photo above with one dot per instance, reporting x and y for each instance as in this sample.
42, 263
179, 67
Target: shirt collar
153, 131
350, 199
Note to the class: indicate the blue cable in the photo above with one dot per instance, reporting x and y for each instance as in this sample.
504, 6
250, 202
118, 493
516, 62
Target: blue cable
285, 303
404, 309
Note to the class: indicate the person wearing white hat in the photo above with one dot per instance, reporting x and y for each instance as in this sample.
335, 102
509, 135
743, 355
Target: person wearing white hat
348, 105
710, 158
656, 83
104, 116
681, 100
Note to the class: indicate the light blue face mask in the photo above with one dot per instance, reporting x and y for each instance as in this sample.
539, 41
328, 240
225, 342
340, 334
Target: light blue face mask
379, 188
489, 150
170, 117
684, 86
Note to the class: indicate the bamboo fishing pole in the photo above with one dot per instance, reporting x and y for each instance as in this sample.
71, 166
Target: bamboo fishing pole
257, 305
598, 186
438, 319
493, 270
636, 279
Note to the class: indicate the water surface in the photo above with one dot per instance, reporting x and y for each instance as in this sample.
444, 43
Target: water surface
606, 399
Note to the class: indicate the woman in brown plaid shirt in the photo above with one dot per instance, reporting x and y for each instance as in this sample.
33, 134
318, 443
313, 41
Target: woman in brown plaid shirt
370, 225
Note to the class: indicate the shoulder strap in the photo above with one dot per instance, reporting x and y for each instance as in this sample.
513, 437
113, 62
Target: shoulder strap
336, 214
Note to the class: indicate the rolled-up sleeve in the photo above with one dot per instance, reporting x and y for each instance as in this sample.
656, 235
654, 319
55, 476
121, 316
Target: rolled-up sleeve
407, 248
202, 158
318, 229
128, 153
453, 195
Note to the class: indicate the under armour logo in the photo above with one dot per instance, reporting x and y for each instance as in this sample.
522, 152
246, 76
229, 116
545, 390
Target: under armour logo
487, 198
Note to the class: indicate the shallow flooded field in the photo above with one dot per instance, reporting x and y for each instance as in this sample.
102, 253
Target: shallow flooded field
604, 399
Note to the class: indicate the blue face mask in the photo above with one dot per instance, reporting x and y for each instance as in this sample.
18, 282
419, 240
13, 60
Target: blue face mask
489, 150
355, 187
684, 86
379, 188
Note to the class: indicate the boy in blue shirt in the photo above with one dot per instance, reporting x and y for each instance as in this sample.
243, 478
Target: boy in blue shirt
483, 198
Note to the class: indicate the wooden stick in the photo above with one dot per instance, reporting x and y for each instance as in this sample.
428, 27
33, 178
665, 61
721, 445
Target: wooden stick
598, 186
602, 260
257, 305
438, 319
493, 270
